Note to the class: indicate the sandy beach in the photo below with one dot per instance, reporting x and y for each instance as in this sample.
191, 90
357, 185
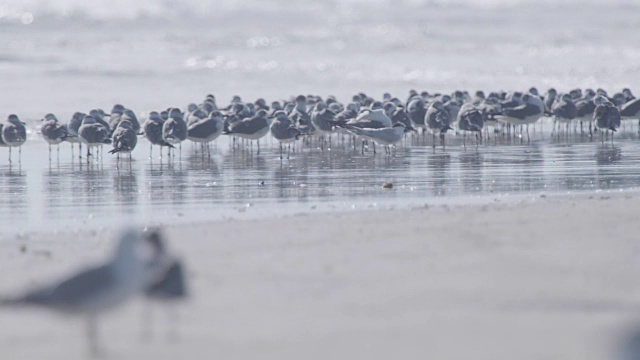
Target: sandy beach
536, 278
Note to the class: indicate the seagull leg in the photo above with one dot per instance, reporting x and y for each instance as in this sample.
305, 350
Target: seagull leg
49, 152
9, 154
280, 151
258, 141
80, 150
92, 335
374, 147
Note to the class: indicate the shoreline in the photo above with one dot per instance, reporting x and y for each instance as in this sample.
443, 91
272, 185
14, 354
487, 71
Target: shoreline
415, 282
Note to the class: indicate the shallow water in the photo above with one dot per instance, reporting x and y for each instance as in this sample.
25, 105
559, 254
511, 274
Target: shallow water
71, 193
63, 56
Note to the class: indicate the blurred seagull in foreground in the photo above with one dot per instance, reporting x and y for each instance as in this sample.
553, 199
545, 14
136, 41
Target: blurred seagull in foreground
92, 292
170, 285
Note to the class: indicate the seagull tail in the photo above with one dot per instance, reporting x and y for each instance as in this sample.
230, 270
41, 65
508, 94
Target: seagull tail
612, 128
114, 150
164, 143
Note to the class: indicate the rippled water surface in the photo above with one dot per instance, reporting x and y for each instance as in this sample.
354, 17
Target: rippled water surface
234, 183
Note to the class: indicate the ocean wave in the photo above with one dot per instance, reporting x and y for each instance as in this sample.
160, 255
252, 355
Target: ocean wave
28, 11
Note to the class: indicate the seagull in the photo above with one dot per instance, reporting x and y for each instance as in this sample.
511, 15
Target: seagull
284, 130
301, 117
322, 118
437, 119
371, 119
124, 138
400, 116
116, 115
130, 116
206, 130
470, 118
72, 128
585, 108
92, 133
549, 100
252, 128
53, 132
94, 291
153, 132
417, 109
564, 111
530, 111
606, 116
174, 130
14, 133
630, 109
383, 136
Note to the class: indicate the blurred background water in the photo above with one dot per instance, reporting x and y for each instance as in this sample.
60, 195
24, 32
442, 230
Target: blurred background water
64, 56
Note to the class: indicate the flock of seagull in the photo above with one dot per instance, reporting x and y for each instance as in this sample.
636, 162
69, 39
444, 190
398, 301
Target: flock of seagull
384, 121
141, 265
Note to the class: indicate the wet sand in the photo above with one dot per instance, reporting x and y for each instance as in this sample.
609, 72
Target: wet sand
544, 277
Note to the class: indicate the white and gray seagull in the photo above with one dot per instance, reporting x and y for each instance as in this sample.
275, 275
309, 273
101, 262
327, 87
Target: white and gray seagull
93, 134
284, 130
152, 129
94, 291
252, 128
206, 130
53, 132
124, 138
14, 134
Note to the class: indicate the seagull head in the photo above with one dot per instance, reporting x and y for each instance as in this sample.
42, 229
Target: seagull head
117, 109
275, 105
600, 100
14, 119
50, 116
155, 116
437, 105
88, 119
281, 116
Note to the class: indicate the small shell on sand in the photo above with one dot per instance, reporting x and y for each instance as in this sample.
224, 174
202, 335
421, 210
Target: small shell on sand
387, 185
